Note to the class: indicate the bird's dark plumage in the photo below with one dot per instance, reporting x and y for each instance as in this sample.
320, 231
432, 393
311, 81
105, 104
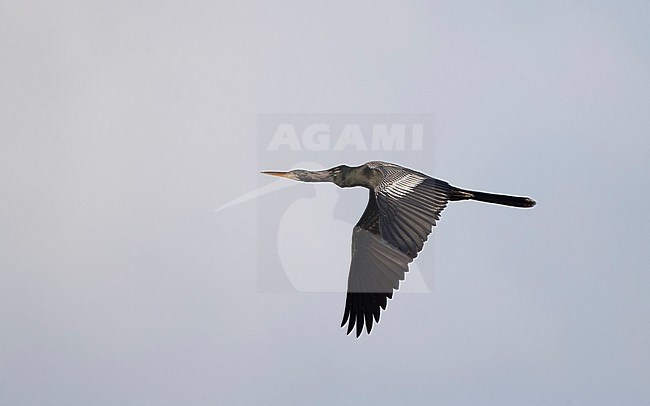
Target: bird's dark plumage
403, 206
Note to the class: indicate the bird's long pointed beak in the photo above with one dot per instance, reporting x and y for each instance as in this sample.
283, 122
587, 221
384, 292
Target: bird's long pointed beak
287, 175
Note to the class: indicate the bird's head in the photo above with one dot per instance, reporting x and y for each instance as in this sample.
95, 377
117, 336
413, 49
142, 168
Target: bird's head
333, 175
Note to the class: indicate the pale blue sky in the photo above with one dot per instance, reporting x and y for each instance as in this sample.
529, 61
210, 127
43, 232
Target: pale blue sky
124, 124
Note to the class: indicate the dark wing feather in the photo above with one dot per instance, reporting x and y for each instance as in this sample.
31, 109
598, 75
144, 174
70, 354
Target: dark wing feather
375, 271
410, 204
392, 230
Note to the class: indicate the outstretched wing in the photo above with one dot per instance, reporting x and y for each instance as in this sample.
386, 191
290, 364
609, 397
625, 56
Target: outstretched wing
375, 271
401, 211
410, 204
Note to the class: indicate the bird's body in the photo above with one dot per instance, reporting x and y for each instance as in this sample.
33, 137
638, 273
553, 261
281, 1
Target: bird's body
403, 206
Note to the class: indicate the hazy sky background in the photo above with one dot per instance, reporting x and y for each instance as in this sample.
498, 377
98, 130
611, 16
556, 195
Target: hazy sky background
125, 124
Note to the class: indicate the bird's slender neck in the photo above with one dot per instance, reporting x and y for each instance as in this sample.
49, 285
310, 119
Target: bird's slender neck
357, 176
342, 176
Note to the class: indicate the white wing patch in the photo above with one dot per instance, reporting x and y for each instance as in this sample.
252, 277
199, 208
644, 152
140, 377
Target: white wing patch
403, 185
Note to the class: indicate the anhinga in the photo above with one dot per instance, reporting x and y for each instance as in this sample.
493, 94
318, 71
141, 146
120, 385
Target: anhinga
402, 208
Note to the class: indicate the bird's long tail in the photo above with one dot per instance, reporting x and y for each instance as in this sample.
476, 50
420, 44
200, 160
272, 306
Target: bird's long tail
514, 201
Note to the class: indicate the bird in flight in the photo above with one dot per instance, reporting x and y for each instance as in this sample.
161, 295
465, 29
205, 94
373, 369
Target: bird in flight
403, 206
